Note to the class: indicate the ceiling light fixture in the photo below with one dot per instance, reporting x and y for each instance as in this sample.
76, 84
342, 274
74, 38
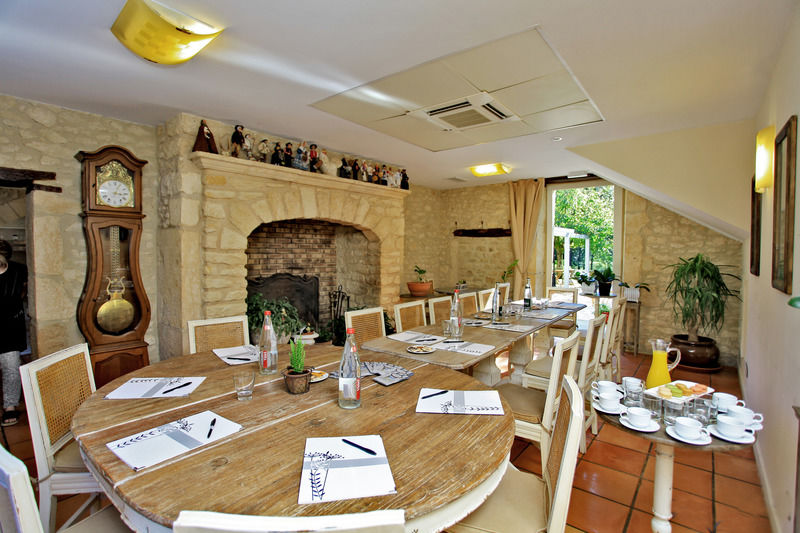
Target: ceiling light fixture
557, 139
491, 169
765, 154
160, 33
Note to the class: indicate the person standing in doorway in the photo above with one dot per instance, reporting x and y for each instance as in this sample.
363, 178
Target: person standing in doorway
13, 336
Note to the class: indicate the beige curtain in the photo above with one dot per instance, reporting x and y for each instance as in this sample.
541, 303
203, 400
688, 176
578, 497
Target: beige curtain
525, 204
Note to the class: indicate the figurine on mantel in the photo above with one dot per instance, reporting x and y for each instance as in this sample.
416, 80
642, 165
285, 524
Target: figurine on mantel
248, 147
345, 170
288, 154
263, 150
313, 158
204, 142
326, 167
369, 172
277, 155
356, 169
393, 179
301, 157
404, 180
237, 140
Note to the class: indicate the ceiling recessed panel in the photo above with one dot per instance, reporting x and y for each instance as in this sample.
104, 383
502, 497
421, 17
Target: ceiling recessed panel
541, 94
423, 86
496, 132
360, 105
420, 133
507, 61
564, 117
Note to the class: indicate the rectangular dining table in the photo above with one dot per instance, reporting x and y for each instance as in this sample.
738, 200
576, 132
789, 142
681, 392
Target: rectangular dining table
518, 343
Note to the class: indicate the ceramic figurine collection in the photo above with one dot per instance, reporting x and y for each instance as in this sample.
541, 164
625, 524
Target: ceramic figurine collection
304, 157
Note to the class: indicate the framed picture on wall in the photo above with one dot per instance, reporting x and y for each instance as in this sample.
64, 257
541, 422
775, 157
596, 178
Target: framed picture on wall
783, 206
755, 230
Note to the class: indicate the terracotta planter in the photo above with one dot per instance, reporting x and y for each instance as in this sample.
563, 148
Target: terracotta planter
702, 355
420, 288
296, 382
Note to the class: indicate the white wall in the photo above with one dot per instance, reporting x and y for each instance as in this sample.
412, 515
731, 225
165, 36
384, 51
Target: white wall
771, 339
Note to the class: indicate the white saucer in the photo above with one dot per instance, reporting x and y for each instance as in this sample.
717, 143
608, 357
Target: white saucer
653, 426
756, 426
318, 375
618, 411
748, 438
698, 442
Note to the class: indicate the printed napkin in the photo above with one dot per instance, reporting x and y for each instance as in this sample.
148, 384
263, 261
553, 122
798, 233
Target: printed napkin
155, 388
387, 373
544, 314
237, 355
343, 468
415, 337
465, 347
460, 402
475, 322
505, 326
141, 450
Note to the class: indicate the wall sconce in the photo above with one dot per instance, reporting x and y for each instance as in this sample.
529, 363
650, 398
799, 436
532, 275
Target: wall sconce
161, 34
490, 169
765, 156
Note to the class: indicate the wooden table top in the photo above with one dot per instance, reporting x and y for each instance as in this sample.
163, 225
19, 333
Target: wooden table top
500, 339
435, 459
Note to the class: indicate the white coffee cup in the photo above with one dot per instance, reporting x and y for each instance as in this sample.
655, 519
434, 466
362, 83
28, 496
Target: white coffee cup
638, 416
745, 415
723, 400
732, 427
632, 383
609, 401
690, 428
603, 387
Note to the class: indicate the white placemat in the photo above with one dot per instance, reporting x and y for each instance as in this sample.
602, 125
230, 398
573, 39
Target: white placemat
155, 388
460, 402
415, 337
237, 355
468, 348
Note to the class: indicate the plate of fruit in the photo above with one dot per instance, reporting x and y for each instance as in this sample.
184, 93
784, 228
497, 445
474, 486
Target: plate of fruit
680, 390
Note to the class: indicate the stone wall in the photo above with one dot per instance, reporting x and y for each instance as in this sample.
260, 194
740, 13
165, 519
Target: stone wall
656, 238
357, 267
46, 138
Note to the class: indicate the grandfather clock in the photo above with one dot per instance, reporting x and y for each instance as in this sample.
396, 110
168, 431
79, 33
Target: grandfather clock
113, 311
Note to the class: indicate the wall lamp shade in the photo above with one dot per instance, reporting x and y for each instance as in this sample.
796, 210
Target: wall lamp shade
161, 34
491, 169
765, 157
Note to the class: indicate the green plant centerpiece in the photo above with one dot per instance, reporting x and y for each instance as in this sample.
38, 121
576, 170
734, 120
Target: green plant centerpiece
422, 286
699, 293
586, 281
285, 317
509, 270
296, 376
604, 276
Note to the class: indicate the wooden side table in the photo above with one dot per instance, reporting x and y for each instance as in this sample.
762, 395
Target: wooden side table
630, 329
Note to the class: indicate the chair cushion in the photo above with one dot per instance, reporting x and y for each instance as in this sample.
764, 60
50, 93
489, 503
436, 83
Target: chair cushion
540, 367
563, 324
518, 504
107, 520
527, 404
68, 459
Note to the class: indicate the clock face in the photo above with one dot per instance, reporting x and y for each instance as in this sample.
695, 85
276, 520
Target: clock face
114, 193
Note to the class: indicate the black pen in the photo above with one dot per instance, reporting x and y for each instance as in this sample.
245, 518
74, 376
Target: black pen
211, 427
362, 448
452, 341
178, 387
434, 394
238, 358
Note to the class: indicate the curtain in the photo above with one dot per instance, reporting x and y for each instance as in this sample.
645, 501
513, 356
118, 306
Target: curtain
525, 204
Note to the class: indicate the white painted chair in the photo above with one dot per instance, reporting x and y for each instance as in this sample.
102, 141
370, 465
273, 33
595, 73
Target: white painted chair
439, 308
617, 346
54, 387
409, 315
225, 332
367, 323
568, 324
607, 370
385, 521
533, 408
18, 510
526, 502
485, 299
470, 302
505, 289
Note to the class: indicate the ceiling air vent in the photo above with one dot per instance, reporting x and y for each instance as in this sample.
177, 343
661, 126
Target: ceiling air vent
476, 110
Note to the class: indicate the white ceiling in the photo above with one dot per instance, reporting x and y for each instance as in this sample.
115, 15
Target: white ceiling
648, 67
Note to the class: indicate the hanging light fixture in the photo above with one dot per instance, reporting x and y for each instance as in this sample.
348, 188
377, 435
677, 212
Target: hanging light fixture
161, 34
765, 156
490, 170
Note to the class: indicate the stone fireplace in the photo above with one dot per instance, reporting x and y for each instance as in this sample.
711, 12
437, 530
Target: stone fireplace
239, 203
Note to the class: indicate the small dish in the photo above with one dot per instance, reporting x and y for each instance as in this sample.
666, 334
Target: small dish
698, 442
420, 349
747, 438
318, 375
650, 428
618, 411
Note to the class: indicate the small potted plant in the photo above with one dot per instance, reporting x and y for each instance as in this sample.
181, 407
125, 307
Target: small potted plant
285, 317
509, 270
296, 376
588, 284
421, 287
604, 276
631, 294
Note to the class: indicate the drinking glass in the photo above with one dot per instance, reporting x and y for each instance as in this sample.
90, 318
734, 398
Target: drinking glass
244, 381
703, 409
634, 390
653, 404
447, 328
672, 410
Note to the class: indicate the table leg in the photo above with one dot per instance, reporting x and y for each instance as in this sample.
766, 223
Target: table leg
487, 372
520, 355
662, 494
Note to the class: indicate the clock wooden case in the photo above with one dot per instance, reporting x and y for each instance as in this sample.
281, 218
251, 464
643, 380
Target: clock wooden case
113, 311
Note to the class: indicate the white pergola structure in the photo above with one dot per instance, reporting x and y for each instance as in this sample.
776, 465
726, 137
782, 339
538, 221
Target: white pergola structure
568, 235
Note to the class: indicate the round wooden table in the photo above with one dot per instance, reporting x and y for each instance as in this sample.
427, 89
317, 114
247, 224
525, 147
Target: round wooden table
443, 466
665, 455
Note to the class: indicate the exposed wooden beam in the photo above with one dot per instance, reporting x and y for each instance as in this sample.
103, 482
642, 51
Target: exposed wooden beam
24, 174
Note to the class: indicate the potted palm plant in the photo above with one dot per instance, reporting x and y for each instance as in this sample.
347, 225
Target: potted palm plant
296, 376
604, 276
699, 293
421, 287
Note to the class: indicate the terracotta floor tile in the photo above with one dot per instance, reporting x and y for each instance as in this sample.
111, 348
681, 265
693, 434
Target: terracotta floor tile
688, 510
641, 372
602, 481
739, 494
696, 458
736, 467
640, 523
616, 457
594, 514
623, 438
530, 460
570, 529
732, 520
